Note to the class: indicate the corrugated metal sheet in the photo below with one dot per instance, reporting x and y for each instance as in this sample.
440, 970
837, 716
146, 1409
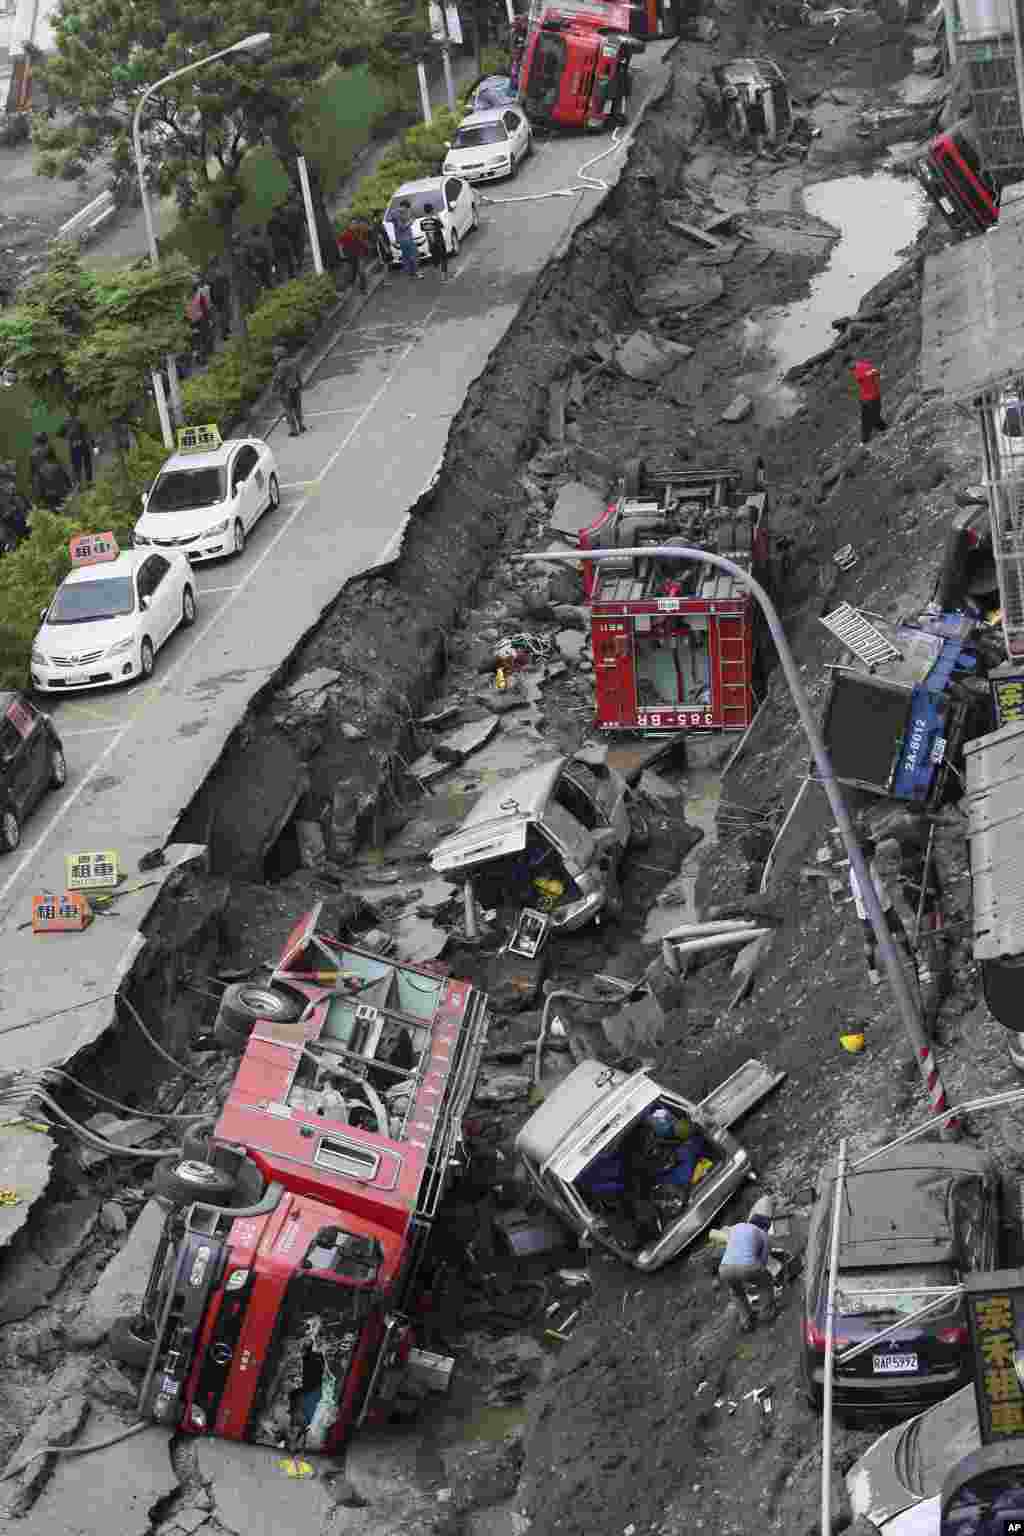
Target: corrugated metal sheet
972, 311
994, 806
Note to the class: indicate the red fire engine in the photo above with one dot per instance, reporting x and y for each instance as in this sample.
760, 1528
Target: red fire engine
288, 1321
574, 71
677, 645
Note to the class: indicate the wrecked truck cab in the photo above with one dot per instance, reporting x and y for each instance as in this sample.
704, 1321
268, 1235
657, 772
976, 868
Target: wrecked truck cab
573, 1150
554, 833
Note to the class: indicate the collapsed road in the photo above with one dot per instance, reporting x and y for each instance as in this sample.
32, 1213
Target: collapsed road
641, 1415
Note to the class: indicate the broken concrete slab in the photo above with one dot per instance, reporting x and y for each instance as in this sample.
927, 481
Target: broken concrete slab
576, 507
39, 1258
116, 1490
690, 287
639, 1024
452, 749
738, 409
570, 643
122, 1285
644, 357
313, 682
253, 1492
791, 242
59, 1422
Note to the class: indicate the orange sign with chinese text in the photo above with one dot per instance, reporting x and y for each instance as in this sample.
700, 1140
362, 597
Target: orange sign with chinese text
69, 912
93, 548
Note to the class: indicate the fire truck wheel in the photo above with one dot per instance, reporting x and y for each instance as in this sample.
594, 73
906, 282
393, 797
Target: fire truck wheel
243, 1005
183, 1180
632, 477
128, 1343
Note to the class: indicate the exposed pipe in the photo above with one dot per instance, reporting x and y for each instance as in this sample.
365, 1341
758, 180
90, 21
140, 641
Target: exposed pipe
826, 1418
552, 997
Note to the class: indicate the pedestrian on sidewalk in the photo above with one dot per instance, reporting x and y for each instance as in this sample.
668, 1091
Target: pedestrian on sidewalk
402, 218
50, 480
883, 863
868, 381
432, 227
80, 448
354, 245
745, 1260
287, 386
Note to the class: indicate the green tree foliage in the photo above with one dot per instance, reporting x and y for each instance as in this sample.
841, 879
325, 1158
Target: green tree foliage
38, 336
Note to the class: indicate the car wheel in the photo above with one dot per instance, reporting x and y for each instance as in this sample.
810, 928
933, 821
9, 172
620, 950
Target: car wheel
239, 536
128, 1342
147, 660
453, 249
188, 608
58, 767
10, 830
184, 1180
275, 495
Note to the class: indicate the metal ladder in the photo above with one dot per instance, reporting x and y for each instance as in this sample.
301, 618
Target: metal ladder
852, 629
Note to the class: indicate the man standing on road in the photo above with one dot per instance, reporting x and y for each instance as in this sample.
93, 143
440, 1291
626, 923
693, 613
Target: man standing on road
745, 1260
80, 449
402, 218
434, 230
869, 387
287, 386
354, 245
880, 862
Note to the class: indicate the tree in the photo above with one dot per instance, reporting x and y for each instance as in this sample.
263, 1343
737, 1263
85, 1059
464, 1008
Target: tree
38, 335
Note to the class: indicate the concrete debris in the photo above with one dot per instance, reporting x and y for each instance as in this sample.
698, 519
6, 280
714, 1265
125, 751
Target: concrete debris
691, 287
570, 643
37, 1262
25, 1156
313, 682
740, 408
576, 506
351, 732
59, 1422
122, 1285
481, 1474
502, 1090
644, 357
452, 749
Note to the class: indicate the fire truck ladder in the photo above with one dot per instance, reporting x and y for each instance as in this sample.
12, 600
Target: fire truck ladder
852, 629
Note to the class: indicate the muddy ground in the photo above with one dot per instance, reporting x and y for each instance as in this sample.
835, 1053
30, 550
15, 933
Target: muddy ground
621, 1437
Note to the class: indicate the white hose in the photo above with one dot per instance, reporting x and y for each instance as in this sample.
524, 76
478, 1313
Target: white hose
584, 183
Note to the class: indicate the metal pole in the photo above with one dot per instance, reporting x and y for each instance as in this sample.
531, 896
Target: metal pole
421, 75
905, 1003
927, 869
826, 1415
449, 83
314, 234
949, 10
1018, 61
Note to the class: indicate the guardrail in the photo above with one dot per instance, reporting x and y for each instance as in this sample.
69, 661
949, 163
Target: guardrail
88, 219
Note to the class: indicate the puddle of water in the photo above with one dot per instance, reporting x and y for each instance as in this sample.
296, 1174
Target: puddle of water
876, 217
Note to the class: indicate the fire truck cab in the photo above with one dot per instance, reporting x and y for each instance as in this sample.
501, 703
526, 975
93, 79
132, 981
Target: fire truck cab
575, 65
676, 645
287, 1319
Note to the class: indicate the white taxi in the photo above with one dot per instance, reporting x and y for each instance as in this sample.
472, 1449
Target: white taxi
108, 619
205, 501
489, 144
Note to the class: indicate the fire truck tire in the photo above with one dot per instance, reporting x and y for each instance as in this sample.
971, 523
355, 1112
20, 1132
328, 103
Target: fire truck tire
128, 1344
632, 477
181, 1181
243, 1005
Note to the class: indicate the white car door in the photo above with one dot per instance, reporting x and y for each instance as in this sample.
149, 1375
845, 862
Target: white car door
244, 500
153, 593
519, 140
458, 201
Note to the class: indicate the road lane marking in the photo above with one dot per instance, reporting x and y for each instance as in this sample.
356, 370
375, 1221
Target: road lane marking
201, 630
208, 591
95, 730
341, 410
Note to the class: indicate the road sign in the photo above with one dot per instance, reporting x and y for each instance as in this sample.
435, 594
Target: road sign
69, 912
96, 871
995, 1316
93, 548
199, 439
1007, 685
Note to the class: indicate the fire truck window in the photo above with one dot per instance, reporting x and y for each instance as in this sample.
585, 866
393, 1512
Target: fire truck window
546, 70
309, 1358
574, 799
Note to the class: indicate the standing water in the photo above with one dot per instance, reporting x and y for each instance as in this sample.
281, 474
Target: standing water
877, 217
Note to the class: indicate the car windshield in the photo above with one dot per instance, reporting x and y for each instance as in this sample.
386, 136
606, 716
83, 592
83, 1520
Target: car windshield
85, 601
182, 490
936, 1441
893, 1292
416, 201
494, 92
480, 133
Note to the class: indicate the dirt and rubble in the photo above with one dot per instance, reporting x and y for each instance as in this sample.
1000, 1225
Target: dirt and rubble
640, 1422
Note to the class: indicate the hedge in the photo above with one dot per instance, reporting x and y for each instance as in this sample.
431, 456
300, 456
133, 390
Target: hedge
289, 316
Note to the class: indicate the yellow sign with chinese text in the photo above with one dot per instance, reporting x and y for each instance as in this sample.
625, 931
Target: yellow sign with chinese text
199, 439
92, 871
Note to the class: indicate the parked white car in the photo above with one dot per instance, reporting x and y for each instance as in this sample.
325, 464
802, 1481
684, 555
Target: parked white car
454, 203
489, 144
106, 622
206, 504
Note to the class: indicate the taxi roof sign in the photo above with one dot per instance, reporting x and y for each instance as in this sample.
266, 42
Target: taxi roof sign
93, 548
199, 439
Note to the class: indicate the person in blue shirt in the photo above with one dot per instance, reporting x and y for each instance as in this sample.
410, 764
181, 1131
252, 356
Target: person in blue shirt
745, 1259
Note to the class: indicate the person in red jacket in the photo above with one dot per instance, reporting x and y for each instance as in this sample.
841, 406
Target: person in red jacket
354, 245
869, 387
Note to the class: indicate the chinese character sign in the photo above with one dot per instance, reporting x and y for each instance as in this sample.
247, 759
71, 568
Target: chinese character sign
68, 912
1008, 697
1000, 1397
92, 871
199, 439
93, 548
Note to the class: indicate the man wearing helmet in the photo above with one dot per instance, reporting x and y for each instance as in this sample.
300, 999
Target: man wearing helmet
745, 1261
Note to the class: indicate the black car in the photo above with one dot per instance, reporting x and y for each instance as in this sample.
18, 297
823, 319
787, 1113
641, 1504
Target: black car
31, 762
920, 1217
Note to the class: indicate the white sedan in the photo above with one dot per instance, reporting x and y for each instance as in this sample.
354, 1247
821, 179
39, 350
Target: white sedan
107, 622
452, 200
489, 144
206, 503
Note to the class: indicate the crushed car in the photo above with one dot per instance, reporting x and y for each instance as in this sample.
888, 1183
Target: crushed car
637, 1167
552, 836
897, 1482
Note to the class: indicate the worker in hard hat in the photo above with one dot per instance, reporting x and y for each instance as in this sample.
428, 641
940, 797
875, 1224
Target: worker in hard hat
745, 1260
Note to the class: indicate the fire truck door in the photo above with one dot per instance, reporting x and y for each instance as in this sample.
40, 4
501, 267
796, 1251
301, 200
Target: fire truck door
731, 662
614, 672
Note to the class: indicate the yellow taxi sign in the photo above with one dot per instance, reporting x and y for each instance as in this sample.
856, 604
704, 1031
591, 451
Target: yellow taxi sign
97, 871
199, 439
93, 548
69, 912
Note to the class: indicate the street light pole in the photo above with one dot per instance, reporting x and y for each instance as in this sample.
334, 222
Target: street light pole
252, 44
905, 1003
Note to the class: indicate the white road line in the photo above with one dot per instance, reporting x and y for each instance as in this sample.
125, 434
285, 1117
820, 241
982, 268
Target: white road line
201, 630
342, 410
208, 591
95, 730
297, 485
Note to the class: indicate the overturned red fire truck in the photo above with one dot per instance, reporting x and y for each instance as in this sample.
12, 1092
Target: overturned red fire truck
678, 646
281, 1303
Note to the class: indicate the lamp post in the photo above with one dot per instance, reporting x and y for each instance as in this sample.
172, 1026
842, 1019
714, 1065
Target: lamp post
908, 1009
255, 43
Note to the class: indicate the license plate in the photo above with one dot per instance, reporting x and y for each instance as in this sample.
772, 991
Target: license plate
169, 1385
885, 1365
938, 749
80, 676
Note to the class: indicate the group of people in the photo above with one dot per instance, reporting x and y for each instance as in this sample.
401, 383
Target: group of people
51, 482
